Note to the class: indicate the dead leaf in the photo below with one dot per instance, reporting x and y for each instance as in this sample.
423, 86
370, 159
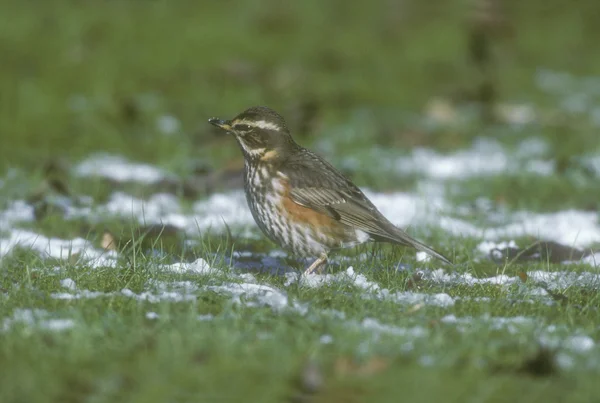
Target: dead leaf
414, 281
346, 367
415, 308
108, 241
441, 110
523, 276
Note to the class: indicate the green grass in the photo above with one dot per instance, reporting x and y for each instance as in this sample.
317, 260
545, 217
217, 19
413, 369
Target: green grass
261, 354
79, 77
355, 81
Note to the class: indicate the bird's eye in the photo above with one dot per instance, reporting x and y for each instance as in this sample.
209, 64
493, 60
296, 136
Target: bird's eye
242, 127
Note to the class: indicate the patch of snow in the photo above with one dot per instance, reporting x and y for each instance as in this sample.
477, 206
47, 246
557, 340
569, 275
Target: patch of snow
441, 300
326, 339
168, 124
57, 325
318, 280
16, 211
580, 344
372, 289
564, 360
555, 81
256, 295
81, 294
36, 318
533, 147
373, 325
177, 291
593, 260
540, 167
199, 266
569, 227
68, 283
118, 169
512, 325
57, 248
171, 296
593, 162
423, 257
486, 247
212, 214
440, 276
564, 279
486, 157
552, 279
160, 208
427, 361
220, 210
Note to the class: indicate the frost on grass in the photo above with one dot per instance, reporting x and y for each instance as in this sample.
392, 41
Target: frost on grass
257, 295
551, 336
558, 280
369, 289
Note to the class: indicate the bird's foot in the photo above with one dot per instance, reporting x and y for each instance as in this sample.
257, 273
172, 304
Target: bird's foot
317, 265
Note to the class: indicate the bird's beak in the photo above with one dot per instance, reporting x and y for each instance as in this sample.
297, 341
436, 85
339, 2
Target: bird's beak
222, 124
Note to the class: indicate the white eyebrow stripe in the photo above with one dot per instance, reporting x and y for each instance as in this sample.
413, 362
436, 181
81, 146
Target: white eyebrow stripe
266, 125
261, 124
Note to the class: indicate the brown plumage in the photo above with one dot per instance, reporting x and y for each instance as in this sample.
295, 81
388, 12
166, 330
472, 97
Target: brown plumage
298, 199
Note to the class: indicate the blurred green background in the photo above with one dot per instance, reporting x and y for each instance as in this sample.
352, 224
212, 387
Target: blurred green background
141, 78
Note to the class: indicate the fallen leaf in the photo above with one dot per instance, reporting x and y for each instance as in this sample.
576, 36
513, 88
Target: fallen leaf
108, 241
415, 308
414, 281
347, 367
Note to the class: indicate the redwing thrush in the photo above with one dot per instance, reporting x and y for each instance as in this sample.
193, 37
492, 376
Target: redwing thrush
298, 199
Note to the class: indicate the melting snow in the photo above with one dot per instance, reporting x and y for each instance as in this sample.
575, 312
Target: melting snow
372, 289
57, 248
558, 280
152, 315
253, 295
118, 169
68, 283
486, 157
36, 318
199, 266
17, 211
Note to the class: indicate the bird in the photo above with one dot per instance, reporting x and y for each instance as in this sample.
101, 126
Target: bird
299, 200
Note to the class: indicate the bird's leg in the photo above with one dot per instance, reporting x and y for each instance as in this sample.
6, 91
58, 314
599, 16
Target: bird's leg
316, 266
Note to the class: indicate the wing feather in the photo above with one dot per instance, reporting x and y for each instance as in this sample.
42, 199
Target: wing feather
316, 184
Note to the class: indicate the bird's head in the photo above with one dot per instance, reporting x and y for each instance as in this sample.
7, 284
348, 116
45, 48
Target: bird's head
261, 133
